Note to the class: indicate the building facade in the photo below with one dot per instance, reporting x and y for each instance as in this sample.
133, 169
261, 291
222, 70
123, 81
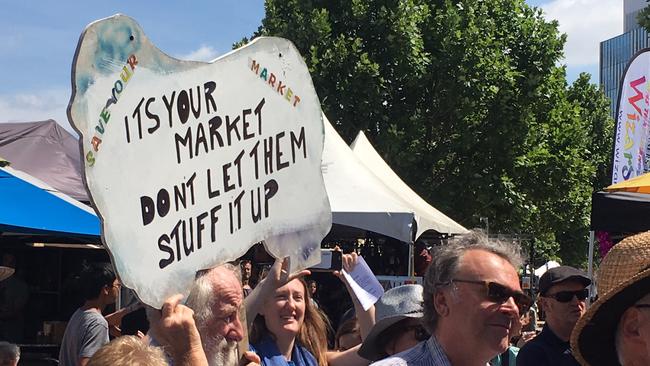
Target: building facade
616, 52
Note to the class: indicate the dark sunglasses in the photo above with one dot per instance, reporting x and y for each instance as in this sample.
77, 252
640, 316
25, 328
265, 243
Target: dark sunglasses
499, 294
566, 296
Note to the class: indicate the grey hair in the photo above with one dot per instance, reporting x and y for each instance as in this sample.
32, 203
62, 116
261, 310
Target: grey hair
202, 294
9, 351
444, 266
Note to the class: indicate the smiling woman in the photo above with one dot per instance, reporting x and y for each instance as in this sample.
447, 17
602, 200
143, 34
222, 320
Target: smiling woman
290, 329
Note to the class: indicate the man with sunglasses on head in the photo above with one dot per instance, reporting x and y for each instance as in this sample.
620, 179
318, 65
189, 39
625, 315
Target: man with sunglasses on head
472, 301
563, 292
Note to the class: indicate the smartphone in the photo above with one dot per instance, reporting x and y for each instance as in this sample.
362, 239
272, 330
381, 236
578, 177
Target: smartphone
330, 260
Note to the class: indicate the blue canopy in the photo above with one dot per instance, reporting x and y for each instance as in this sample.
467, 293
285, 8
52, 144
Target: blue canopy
31, 207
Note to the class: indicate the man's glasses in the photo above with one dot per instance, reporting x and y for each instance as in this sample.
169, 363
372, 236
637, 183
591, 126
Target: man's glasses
499, 294
566, 296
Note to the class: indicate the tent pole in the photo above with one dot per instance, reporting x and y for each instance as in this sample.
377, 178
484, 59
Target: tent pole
591, 265
411, 259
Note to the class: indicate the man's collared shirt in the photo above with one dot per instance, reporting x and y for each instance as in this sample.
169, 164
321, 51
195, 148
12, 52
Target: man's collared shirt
546, 349
425, 353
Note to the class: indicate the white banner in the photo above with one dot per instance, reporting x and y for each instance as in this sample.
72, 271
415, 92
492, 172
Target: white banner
190, 163
631, 153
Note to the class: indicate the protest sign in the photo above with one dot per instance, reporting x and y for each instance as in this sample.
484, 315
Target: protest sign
190, 163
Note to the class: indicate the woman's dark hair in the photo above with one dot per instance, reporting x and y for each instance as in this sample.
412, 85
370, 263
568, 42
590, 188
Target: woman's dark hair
94, 277
350, 326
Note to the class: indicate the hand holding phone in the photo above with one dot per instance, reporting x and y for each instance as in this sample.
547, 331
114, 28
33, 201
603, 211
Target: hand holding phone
330, 260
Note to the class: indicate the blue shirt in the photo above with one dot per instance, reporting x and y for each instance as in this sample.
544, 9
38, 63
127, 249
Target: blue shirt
426, 353
271, 356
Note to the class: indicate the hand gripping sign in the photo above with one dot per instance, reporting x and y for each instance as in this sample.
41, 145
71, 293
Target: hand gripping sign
190, 163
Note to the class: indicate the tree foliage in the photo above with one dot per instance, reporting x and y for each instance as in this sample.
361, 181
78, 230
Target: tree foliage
466, 101
643, 17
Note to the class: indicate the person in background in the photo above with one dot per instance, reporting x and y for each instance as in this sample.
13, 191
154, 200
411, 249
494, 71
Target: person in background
246, 273
517, 340
14, 294
348, 335
87, 329
9, 354
616, 328
472, 299
312, 286
422, 258
398, 323
563, 293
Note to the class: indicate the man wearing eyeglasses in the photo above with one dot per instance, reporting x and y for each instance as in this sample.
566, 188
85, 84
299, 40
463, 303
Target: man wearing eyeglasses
563, 293
472, 301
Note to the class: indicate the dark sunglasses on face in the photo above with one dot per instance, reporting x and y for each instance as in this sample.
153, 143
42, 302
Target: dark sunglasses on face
499, 294
566, 296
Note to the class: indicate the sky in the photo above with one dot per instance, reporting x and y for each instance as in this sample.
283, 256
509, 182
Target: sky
38, 40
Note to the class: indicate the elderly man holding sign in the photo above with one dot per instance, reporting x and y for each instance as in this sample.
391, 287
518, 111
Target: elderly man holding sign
189, 163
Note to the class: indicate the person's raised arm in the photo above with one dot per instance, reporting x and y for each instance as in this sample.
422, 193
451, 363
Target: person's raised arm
348, 357
174, 328
366, 318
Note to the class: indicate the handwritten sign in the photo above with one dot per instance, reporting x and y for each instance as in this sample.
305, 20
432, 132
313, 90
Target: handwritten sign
190, 163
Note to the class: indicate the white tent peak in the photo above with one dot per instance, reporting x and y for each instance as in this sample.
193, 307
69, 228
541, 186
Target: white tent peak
545, 267
426, 216
357, 198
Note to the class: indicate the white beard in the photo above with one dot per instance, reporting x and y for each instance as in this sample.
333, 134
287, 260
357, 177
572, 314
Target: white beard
220, 352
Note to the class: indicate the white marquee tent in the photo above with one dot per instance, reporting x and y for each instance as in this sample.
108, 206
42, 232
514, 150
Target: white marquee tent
426, 216
357, 197
364, 192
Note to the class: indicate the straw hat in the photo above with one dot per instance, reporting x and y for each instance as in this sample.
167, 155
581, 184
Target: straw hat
396, 304
5, 272
623, 279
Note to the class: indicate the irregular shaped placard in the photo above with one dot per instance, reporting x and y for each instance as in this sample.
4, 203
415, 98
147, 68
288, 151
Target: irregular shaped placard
190, 163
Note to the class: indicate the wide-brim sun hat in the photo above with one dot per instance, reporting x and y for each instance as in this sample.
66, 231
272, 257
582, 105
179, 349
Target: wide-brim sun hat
396, 304
6, 272
623, 279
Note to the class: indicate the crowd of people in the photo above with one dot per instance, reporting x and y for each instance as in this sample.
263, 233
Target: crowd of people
470, 310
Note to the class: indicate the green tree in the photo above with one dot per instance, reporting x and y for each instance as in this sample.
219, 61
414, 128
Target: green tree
643, 17
464, 99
